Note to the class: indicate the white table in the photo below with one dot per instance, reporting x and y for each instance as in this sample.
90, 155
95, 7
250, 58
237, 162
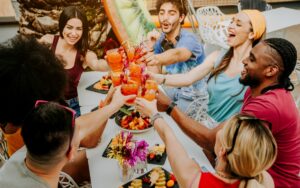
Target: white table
104, 171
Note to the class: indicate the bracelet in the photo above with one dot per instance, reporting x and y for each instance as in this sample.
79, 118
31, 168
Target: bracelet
170, 108
155, 117
164, 80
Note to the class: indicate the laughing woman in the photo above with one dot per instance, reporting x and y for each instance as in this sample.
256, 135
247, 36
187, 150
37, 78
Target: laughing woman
71, 45
224, 69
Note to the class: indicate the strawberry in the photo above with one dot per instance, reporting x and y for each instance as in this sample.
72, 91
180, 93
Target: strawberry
146, 179
151, 156
172, 177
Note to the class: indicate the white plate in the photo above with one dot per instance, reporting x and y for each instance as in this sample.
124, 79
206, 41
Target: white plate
117, 121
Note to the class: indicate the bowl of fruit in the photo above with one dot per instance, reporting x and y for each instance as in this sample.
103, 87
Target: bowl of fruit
132, 121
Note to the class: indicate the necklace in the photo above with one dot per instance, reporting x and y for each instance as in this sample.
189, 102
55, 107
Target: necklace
223, 176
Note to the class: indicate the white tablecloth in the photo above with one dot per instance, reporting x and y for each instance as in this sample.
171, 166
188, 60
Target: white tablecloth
104, 171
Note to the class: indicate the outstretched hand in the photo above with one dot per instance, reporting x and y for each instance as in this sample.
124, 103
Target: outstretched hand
163, 101
152, 37
109, 95
157, 77
147, 108
119, 99
150, 59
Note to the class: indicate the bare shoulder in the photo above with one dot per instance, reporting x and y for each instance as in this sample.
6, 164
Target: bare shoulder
89, 57
90, 54
268, 180
46, 39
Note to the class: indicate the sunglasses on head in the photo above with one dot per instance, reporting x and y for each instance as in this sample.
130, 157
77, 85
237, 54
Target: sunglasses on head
69, 110
242, 118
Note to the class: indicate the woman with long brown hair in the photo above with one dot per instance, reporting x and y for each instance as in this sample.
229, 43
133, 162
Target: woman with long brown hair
224, 68
71, 45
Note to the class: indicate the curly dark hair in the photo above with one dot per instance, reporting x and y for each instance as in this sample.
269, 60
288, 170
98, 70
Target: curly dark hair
28, 71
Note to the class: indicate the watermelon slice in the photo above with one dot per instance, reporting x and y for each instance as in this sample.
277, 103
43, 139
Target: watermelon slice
130, 19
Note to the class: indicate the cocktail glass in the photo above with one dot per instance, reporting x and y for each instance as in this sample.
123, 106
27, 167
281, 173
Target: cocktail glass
149, 95
151, 84
135, 70
114, 59
116, 78
130, 88
151, 88
135, 73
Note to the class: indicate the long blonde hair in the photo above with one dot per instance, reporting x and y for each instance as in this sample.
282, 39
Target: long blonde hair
251, 149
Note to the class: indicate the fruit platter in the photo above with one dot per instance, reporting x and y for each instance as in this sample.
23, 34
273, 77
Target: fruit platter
157, 177
157, 154
104, 83
132, 121
102, 86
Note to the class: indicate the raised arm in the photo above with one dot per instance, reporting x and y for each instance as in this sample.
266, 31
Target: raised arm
168, 57
198, 132
186, 79
92, 61
96, 121
186, 169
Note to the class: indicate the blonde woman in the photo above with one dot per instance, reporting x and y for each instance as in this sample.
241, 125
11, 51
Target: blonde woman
224, 69
245, 149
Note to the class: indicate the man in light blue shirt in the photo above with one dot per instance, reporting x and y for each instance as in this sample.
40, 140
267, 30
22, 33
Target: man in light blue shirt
177, 50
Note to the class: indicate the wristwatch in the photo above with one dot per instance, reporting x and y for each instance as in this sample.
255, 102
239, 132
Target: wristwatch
170, 108
155, 117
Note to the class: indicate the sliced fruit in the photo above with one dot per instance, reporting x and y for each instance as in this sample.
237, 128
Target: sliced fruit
170, 183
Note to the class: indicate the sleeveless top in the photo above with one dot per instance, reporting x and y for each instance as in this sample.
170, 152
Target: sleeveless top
73, 73
207, 180
225, 94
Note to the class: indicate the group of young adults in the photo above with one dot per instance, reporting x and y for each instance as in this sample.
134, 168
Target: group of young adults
252, 125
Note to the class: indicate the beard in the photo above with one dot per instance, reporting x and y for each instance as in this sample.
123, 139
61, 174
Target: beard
252, 82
